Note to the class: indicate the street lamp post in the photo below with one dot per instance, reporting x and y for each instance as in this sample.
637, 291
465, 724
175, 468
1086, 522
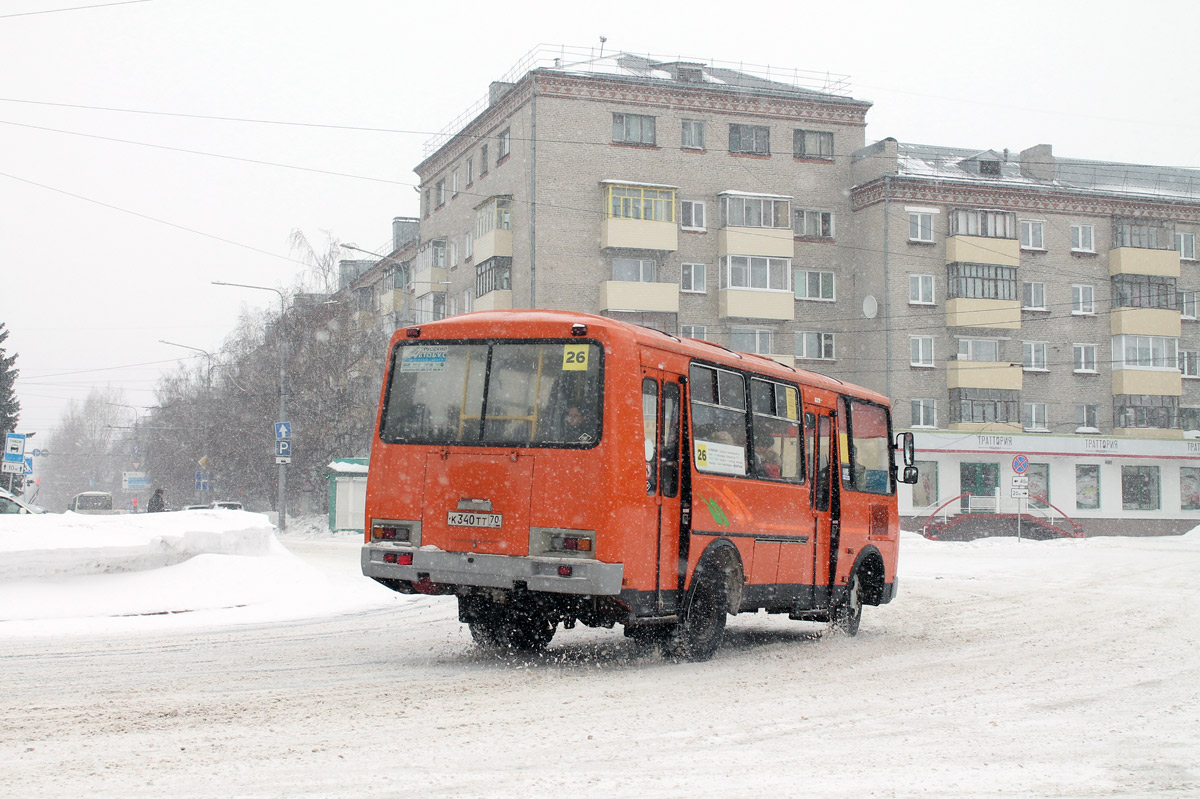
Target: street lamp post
282, 502
206, 492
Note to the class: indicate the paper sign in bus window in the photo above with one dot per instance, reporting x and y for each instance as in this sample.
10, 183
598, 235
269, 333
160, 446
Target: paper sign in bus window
712, 456
423, 359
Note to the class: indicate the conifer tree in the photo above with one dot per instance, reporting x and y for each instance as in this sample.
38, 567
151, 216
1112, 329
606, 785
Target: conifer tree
10, 408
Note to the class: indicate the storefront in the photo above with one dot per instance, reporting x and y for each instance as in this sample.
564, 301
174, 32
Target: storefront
1101, 483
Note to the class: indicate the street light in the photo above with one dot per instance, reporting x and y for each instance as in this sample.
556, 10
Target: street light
282, 502
206, 491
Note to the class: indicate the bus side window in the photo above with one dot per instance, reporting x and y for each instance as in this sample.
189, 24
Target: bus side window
810, 451
670, 440
650, 432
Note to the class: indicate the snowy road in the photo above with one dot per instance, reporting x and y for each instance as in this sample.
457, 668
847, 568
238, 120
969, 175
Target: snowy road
1004, 668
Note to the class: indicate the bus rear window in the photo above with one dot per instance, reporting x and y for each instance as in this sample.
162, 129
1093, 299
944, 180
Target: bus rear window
494, 393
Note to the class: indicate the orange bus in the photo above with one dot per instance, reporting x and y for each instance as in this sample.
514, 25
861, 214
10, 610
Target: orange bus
551, 467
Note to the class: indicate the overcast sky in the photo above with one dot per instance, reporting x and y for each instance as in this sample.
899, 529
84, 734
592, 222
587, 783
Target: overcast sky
108, 246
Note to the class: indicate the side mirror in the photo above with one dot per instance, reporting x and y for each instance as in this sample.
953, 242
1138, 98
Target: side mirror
910, 475
906, 443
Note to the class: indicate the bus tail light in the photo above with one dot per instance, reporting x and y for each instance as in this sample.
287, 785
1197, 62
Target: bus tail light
565, 571
577, 544
390, 532
399, 558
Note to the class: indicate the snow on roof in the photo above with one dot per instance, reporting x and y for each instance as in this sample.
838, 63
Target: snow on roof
615, 182
348, 465
736, 193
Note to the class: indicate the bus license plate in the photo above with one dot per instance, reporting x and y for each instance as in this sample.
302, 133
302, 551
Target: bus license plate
459, 519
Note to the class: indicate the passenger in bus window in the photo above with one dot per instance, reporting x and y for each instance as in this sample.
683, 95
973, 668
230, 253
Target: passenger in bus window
576, 427
766, 457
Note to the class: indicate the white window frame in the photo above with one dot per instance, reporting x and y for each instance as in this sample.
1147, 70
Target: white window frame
825, 346
970, 348
1035, 292
802, 280
1083, 358
1034, 417
692, 215
1151, 353
819, 142
810, 223
688, 134
763, 339
1034, 356
920, 351
624, 129
924, 412
503, 144
1083, 300
747, 268
983, 223
1033, 234
760, 136
1189, 364
1086, 412
1185, 243
454, 187
772, 212
694, 331
693, 278
920, 226
1187, 304
647, 269
920, 289
1083, 238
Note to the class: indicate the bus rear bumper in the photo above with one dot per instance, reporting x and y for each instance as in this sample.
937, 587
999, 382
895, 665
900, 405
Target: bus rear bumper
495, 571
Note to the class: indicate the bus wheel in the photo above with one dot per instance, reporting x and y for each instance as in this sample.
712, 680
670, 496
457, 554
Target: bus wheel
848, 613
527, 629
697, 636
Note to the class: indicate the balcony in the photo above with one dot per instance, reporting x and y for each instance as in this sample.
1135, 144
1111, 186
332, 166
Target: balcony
1152, 382
766, 241
756, 304
1146, 322
427, 281
621, 295
1139, 261
391, 301
638, 234
968, 312
984, 374
497, 242
500, 299
983, 250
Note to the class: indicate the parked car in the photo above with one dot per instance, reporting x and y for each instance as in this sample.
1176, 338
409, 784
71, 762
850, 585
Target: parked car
11, 504
93, 502
194, 507
228, 505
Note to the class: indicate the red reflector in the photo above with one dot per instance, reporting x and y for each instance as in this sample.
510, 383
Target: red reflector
389, 557
413, 332
565, 571
387, 533
404, 558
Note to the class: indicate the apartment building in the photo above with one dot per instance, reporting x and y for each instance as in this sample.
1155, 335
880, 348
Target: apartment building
1017, 307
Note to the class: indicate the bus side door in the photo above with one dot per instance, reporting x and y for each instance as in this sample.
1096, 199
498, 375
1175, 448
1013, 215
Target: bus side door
820, 440
662, 398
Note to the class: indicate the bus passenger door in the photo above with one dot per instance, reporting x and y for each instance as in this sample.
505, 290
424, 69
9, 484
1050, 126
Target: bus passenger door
820, 441
661, 403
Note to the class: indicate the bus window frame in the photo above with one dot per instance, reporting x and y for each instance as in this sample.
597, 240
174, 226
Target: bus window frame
798, 423
846, 411
491, 342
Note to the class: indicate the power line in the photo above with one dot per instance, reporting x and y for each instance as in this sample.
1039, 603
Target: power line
72, 8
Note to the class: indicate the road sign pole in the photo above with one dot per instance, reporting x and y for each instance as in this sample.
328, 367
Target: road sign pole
1020, 505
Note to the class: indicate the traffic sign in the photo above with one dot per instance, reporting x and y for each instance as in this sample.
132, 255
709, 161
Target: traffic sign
13, 467
1020, 493
283, 449
1020, 464
282, 459
283, 430
28, 464
14, 447
1020, 480
203, 481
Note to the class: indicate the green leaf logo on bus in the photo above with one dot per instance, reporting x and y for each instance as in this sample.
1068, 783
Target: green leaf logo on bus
715, 509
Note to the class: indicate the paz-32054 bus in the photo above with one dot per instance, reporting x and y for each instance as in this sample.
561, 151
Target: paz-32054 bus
549, 467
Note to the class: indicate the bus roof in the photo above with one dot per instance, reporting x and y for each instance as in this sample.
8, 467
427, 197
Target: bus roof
557, 324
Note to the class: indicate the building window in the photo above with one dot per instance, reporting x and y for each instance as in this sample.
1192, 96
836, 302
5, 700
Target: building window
754, 272
924, 413
470, 171
1083, 301
750, 339
468, 246
503, 145
1031, 234
983, 406
1150, 411
691, 215
738, 211
483, 160
817, 144
495, 214
430, 307
467, 299
1087, 417
1035, 356
1085, 358
1189, 419
1189, 488
925, 492
920, 226
813, 224
454, 177
1087, 486
693, 279
981, 281
452, 251
1187, 304
432, 255
1083, 238
1033, 296
1186, 244
922, 350
989, 224
920, 289
633, 129
494, 274
1143, 291
1035, 417
1189, 363
440, 192
634, 270
694, 331
1139, 488
814, 346
639, 202
754, 139
979, 349
1144, 352
1143, 234
692, 135
811, 284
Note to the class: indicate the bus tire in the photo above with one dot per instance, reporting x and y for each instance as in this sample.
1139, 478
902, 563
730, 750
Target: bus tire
698, 634
527, 629
847, 615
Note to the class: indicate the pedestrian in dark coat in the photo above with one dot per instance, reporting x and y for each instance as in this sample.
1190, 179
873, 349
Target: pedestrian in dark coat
156, 504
